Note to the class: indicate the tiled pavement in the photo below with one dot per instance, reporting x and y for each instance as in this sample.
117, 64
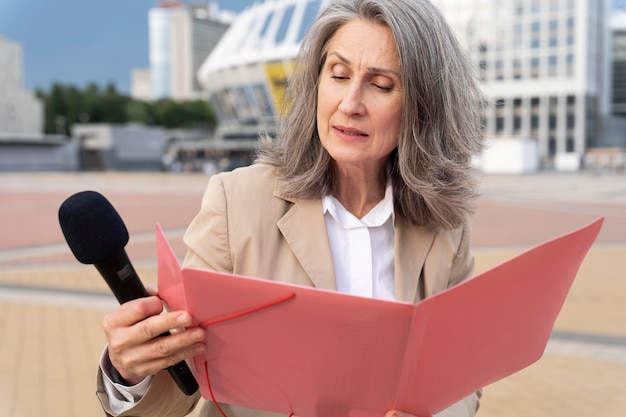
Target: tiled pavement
51, 306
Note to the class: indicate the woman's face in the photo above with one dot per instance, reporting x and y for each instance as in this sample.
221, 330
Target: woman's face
360, 96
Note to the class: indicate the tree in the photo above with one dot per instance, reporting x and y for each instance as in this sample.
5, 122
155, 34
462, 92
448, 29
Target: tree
66, 105
140, 112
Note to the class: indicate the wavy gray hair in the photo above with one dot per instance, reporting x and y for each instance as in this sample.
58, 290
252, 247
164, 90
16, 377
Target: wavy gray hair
441, 129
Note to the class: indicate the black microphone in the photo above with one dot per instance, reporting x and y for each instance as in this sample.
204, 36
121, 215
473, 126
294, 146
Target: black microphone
96, 234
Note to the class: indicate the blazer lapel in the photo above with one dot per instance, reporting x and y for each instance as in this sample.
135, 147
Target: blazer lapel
412, 244
304, 229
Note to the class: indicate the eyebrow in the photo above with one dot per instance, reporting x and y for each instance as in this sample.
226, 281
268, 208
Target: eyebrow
370, 69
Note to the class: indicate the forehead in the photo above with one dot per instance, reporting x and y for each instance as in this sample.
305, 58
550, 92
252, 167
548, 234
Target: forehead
365, 42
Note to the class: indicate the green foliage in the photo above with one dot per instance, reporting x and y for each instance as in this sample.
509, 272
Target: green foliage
66, 105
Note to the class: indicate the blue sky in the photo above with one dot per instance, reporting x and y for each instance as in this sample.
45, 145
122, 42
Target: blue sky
79, 41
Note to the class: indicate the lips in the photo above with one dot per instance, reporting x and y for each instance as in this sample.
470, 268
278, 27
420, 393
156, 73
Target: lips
349, 133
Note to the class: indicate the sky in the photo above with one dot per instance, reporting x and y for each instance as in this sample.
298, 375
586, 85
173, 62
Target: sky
81, 41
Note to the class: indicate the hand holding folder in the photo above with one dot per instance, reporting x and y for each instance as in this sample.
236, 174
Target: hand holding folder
292, 349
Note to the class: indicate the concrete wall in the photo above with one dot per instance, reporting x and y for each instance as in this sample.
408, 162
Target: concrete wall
38, 155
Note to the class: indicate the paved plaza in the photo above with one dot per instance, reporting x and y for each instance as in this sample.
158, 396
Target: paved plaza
51, 306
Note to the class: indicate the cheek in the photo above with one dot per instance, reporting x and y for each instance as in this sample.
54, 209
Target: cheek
322, 95
324, 107
391, 123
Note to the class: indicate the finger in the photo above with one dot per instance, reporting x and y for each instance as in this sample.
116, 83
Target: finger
168, 346
175, 321
123, 340
152, 367
133, 312
158, 353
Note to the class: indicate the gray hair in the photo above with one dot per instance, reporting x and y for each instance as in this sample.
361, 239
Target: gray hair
441, 129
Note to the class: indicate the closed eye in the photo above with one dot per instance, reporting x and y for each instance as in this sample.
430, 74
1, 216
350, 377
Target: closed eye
382, 87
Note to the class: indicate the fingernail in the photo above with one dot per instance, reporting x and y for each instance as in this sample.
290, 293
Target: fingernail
183, 319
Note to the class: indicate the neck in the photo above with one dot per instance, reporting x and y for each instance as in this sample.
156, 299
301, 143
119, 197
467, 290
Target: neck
360, 191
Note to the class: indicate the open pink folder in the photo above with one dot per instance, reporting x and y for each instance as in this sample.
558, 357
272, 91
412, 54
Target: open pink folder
316, 353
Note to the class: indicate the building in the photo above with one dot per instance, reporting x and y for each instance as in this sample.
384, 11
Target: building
43, 153
246, 73
120, 147
181, 37
245, 78
618, 29
21, 112
140, 85
544, 67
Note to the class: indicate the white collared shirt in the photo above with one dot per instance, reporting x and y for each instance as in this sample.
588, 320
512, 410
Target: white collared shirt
362, 249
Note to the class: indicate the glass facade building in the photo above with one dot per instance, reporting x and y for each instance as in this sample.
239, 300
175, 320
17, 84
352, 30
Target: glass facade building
160, 61
246, 74
618, 27
181, 37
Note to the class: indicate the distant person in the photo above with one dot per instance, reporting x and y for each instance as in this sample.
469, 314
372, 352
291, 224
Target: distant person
372, 168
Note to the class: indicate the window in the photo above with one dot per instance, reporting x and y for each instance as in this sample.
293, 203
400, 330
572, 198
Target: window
552, 146
553, 62
499, 104
569, 60
535, 6
517, 68
571, 112
534, 113
534, 67
553, 111
309, 15
517, 116
571, 23
266, 24
284, 25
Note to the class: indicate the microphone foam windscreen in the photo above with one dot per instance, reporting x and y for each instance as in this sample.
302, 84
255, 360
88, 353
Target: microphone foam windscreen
93, 229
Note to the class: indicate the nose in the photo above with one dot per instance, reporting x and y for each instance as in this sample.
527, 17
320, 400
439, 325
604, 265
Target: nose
352, 100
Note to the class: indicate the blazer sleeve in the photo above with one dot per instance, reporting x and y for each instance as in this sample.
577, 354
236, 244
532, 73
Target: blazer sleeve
163, 398
467, 407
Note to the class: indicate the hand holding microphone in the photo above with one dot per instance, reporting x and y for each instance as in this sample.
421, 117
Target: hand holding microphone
140, 342
135, 346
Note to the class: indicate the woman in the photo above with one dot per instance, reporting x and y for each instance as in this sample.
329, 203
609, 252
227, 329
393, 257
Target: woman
370, 194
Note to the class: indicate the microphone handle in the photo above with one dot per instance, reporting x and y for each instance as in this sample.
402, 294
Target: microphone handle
119, 274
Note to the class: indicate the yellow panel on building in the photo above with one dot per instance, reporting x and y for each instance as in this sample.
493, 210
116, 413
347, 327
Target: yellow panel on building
277, 73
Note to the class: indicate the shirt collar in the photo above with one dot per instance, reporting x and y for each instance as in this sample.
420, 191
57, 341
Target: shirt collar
377, 216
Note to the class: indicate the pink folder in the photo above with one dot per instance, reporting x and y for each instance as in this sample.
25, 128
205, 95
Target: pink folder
317, 353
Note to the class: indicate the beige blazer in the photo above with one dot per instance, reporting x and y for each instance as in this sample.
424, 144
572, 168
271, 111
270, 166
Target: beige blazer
245, 226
